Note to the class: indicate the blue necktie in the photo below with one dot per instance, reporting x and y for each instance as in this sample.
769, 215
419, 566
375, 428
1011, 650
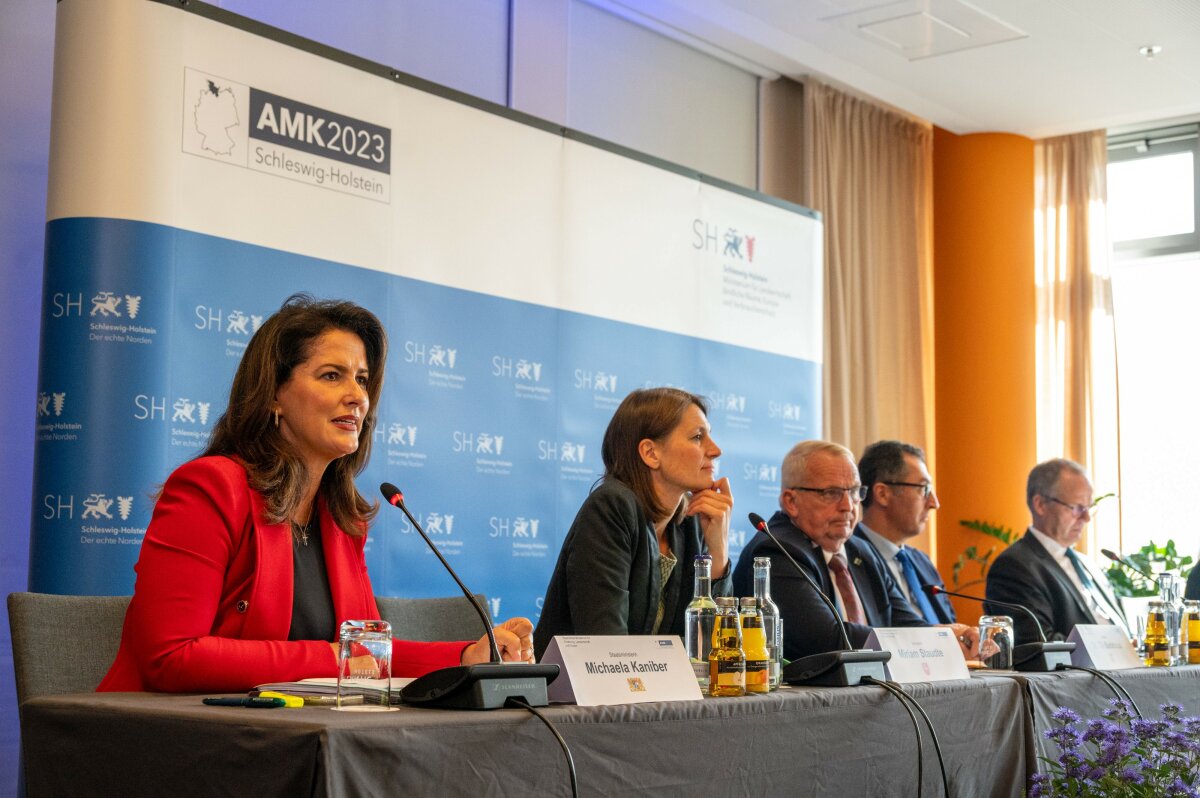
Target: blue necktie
914, 586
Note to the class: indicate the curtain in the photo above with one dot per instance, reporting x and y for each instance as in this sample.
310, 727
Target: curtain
868, 170
1076, 348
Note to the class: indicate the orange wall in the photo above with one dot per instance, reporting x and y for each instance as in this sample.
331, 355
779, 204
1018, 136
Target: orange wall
984, 316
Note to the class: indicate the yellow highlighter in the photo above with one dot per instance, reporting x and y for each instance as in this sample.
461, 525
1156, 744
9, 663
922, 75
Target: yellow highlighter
289, 701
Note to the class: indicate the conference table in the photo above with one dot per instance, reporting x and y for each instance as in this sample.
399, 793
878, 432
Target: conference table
1149, 688
799, 740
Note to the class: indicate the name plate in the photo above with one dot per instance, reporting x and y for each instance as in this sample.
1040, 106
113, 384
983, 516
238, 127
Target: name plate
920, 653
1102, 646
597, 670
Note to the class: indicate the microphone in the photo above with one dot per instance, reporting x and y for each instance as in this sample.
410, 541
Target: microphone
844, 668
1035, 657
1122, 561
484, 686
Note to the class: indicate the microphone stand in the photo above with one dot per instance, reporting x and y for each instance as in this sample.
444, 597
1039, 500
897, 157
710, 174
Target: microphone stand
483, 686
1037, 657
844, 668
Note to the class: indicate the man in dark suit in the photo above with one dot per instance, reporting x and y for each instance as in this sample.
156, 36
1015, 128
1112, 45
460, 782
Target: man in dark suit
899, 499
1042, 571
818, 511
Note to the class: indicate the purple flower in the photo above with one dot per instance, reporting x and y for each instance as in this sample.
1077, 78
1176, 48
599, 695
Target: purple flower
1170, 711
1065, 715
1120, 710
1067, 738
1120, 754
1115, 746
1181, 789
1098, 729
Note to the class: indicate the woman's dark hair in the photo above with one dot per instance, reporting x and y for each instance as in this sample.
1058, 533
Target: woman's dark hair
247, 429
646, 413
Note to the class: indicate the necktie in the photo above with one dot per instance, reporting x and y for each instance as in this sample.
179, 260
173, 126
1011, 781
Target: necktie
914, 586
1099, 600
845, 586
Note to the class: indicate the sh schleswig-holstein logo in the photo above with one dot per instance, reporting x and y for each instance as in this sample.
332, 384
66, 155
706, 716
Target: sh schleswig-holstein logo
244, 126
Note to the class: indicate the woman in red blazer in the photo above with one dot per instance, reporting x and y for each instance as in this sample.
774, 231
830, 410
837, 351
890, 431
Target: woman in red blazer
254, 555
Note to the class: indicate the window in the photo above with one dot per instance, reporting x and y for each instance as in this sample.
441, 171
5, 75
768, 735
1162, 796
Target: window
1152, 213
1152, 192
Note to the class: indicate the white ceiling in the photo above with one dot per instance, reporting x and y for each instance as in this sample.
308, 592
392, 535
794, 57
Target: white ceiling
1034, 67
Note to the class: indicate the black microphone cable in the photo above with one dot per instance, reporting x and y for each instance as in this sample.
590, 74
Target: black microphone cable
1117, 688
519, 702
937, 746
900, 696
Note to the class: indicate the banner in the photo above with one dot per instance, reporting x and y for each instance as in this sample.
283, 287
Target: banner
201, 173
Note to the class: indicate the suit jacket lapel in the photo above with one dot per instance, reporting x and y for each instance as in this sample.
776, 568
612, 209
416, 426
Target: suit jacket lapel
864, 583
808, 553
269, 616
1039, 551
345, 570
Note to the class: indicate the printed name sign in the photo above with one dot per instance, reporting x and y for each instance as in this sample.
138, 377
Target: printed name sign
1102, 646
920, 654
617, 669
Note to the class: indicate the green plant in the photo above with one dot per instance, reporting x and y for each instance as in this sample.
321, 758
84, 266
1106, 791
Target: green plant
972, 554
1153, 560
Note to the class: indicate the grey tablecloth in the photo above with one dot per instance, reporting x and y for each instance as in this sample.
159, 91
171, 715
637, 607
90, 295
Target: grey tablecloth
1089, 696
800, 741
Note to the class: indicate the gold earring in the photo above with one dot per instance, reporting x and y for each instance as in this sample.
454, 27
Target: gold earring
276, 418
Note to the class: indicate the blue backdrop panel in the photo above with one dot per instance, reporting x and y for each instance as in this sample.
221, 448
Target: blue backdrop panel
491, 418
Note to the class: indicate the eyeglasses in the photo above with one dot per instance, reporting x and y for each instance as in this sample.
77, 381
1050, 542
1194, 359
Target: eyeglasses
1077, 510
926, 488
834, 495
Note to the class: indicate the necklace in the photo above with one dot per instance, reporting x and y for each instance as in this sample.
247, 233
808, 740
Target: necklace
300, 533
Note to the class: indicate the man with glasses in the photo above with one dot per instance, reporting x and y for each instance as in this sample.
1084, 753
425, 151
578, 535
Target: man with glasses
899, 499
819, 508
1042, 571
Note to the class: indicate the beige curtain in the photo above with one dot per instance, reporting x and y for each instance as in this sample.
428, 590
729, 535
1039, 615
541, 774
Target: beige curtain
868, 171
1076, 357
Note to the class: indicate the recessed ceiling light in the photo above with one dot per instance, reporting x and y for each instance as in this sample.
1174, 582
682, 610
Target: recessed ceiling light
1150, 50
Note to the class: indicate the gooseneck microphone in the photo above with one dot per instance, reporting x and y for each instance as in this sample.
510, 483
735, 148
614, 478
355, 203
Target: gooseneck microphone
396, 499
484, 686
1035, 657
1122, 561
843, 668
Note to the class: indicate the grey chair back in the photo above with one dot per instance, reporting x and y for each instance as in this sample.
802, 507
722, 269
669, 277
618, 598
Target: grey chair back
63, 644
429, 619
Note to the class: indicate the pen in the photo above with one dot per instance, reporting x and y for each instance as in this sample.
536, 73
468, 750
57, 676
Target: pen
257, 703
288, 700
331, 700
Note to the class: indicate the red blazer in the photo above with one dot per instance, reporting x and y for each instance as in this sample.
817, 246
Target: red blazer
212, 604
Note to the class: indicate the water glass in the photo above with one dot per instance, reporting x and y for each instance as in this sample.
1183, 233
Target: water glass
996, 642
365, 666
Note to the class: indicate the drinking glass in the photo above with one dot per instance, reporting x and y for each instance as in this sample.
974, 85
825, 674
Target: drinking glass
996, 642
365, 666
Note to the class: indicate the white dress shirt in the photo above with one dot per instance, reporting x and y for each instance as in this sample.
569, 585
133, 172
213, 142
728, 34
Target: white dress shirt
1097, 606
